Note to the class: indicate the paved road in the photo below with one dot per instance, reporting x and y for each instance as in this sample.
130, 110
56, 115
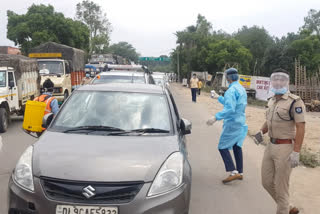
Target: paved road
14, 141
209, 195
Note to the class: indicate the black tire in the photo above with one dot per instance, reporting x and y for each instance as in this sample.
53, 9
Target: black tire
4, 120
65, 96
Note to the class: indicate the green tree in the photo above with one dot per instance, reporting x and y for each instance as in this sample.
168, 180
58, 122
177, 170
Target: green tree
257, 40
125, 50
308, 51
279, 55
42, 24
312, 22
230, 52
93, 16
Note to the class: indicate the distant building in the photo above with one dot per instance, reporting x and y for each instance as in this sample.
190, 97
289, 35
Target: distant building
9, 50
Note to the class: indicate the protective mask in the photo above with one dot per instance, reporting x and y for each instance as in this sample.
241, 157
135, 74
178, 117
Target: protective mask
87, 75
279, 83
279, 91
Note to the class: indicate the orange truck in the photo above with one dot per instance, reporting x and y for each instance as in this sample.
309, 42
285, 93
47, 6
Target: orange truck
62, 64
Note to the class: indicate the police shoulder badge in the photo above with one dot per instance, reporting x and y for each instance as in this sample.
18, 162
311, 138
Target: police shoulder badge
298, 110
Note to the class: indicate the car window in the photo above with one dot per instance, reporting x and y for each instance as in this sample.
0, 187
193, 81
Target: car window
10, 77
174, 106
122, 110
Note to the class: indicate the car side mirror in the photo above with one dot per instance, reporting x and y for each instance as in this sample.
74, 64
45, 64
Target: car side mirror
11, 84
185, 126
46, 120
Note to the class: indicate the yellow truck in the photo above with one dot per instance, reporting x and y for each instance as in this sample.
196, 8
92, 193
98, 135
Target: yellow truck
62, 64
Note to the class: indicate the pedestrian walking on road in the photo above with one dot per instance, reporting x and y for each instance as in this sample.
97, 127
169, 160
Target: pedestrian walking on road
234, 125
200, 84
285, 124
194, 87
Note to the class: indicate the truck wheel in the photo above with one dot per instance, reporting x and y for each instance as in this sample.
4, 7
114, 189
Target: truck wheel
65, 96
4, 120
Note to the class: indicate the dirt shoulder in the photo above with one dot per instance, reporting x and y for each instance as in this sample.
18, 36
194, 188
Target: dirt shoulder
304, 183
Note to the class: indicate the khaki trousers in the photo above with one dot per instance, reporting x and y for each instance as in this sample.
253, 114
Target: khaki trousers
275, 173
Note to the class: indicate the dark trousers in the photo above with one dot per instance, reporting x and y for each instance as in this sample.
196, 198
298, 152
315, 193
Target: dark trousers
199, 90
194, 94
227, 159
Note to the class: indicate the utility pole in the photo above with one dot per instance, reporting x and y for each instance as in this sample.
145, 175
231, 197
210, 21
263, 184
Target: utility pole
178, 65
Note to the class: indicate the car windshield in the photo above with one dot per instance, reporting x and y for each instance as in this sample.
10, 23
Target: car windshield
119, 110
3, 79
50, 67
119, 79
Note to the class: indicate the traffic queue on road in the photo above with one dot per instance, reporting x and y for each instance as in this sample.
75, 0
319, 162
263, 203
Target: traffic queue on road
116, 145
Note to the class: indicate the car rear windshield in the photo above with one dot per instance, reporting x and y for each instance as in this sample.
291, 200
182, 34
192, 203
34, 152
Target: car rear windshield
119, 79
122, 110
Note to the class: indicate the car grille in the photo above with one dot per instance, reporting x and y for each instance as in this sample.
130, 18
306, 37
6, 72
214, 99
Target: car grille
105, 193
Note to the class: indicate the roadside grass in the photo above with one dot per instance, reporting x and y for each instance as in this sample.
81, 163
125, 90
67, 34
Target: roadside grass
207, 89
255, 102
309, 159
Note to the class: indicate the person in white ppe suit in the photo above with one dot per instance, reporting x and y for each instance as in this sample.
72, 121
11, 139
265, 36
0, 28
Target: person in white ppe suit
234, 125
285, 124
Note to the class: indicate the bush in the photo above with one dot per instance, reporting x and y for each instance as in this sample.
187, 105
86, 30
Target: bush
309, 159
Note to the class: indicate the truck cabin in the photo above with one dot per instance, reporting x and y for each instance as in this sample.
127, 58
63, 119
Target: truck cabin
51, 64
6, 77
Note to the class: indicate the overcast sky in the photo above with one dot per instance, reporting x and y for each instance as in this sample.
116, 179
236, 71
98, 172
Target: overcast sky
150, 25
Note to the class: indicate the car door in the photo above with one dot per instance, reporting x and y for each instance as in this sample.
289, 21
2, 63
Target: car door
177, 121
13, 92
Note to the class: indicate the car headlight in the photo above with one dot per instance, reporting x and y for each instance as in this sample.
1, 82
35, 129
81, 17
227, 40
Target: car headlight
23, 171
170, 175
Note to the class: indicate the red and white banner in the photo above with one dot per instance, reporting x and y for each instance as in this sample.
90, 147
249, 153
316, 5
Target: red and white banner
262, 88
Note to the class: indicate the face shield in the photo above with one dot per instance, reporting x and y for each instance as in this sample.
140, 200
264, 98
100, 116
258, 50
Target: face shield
279, 83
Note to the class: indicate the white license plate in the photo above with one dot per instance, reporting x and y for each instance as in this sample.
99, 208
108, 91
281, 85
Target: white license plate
67, 209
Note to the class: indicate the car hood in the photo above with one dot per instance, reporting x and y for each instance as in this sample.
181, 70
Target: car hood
101, 158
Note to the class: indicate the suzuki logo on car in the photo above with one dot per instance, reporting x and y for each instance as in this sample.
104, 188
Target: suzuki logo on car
89, 192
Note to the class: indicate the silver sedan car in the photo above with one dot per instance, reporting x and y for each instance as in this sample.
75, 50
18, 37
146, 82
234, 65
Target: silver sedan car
111, 149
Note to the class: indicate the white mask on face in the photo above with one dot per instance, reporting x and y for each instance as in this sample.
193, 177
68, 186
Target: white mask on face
279, 83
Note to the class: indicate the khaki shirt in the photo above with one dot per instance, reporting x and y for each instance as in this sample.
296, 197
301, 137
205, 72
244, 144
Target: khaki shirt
280, 126
194, 82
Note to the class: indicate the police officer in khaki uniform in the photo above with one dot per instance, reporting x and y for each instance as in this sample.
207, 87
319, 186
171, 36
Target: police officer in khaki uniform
285, 124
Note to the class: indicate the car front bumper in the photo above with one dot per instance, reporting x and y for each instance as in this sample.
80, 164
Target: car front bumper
25, 202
